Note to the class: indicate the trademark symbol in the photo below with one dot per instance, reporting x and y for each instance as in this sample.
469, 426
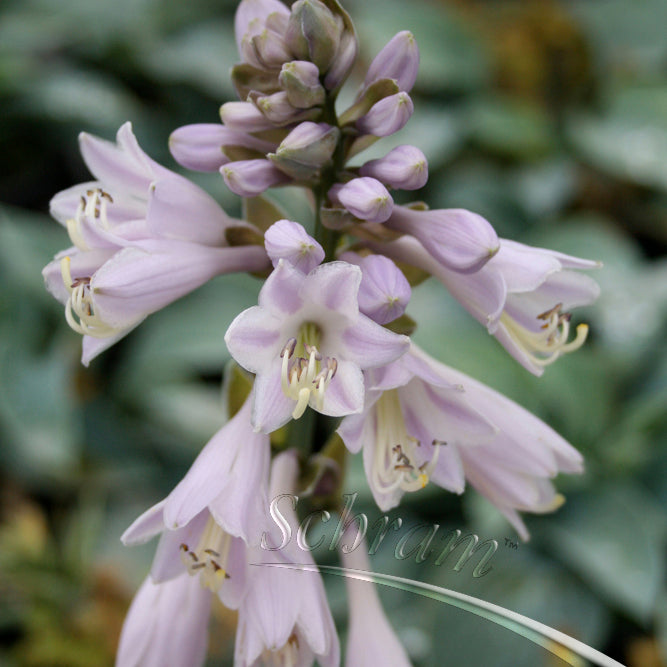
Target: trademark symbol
510, 544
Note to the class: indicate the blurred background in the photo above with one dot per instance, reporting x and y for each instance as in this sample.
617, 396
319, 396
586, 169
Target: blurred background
548, 118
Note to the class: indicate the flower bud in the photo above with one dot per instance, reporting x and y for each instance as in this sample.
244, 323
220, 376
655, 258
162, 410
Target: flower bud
366, 198
306, 149
345, 58
277, 109
387, 116
289, 241
384, 291
404, 168
252, 17
314, 33
248, 178
200, 146
244, 116
265, 50
398, 60
300, 79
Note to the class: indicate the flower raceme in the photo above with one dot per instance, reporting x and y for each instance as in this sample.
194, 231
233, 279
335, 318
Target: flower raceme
143, 237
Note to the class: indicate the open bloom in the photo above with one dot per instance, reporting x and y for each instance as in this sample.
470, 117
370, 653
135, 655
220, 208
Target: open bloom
284, 618
424, 420
143, 237
523, 296
308, 343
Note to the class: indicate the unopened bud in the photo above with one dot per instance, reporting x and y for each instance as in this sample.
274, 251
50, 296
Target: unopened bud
244, 116
200, 146
300, 79
289, 241
314, 33
387, 116
384, 291
249, 178
404, 168
252, 16
398, 60
267, 49
306, 149
277, 109
366, 198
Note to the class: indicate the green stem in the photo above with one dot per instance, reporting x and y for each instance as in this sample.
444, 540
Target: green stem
301, 432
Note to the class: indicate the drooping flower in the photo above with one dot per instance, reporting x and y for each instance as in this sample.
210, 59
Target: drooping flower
371, 640
307, 343
523, 296
166, 625
425, 421
284, 618
143, 237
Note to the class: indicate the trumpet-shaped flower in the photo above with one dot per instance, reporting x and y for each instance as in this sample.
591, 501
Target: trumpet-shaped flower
523, 296
143, 237
284, 618
308, 343
424, 421
218, 507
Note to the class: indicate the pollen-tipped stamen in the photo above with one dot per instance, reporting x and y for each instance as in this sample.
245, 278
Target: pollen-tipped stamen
79, 311
209, 558
92, 211
308, 376
543, 347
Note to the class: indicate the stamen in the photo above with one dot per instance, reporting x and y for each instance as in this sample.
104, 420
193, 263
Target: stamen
543, 347
394, 458
79, 312
306, 377
91, 212
209, 558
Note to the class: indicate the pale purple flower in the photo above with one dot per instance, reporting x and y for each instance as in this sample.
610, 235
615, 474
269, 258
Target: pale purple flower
219, 507
523, 296
405, 168
289, 241
460, 240
366, 198
387, 116
200, 146
248, 178
371, 640
398, 60
308, 343
143, 237
384, 291
425, 421
284, 618
166, 625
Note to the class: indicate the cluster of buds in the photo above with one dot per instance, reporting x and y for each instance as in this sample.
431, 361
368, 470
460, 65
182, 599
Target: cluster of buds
329, 335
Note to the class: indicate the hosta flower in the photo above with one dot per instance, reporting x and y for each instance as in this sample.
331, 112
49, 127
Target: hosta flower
218, 507
288, 240
424, 421
284, 618
143, 237
308, 343
166, 625
523, 296
371, 640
